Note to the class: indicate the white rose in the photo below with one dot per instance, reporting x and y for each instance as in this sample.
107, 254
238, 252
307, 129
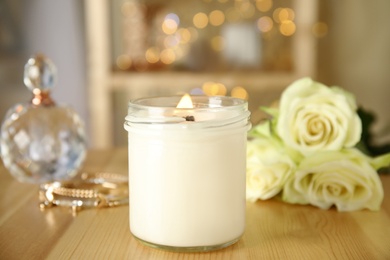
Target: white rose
343, 178
314, 117
268, 167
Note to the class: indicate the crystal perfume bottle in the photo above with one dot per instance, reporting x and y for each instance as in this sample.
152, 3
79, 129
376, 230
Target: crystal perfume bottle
40, 140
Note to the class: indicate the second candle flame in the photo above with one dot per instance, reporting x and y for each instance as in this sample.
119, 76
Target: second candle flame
185, 102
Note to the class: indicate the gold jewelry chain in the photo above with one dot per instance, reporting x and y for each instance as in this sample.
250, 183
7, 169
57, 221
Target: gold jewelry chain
75, 193
88, 190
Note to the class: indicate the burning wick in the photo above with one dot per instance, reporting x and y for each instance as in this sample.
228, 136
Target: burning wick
186, 102
189, 118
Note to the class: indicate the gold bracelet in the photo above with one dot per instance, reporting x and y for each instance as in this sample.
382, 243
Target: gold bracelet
89, 190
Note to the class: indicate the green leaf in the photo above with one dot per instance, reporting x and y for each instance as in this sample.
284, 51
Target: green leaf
366, 143
381, 162
274, 112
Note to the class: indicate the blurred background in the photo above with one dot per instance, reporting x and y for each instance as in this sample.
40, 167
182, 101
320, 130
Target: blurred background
108, 52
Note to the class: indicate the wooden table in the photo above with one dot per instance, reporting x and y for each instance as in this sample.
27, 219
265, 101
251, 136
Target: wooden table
275, 230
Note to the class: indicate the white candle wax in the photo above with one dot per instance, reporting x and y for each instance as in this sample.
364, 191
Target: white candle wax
187, 179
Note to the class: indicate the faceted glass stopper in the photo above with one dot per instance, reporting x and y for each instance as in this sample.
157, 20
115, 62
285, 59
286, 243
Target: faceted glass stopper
40, 141
39, 73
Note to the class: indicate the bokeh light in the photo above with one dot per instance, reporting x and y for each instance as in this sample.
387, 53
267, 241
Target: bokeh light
286, 14
172, 39
174, 17
200, 20
287, 28
283, 14
152, 55
265, 24
239, 92
169, 26
264, 5
214, 89
246, 9
167, 56
217, 17
123, 62
185, 35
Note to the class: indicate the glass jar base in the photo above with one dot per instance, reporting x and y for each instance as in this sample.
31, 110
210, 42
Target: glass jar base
187, 249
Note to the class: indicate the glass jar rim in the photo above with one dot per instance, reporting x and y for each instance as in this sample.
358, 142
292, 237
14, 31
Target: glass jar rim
215, 102
208, 111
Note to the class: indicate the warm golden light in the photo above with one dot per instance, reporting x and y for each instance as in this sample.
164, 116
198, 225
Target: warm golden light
287, 28
123, 62
200, 20
239, 92
185, 35
214, 89
185, 102
221, 89
169, 26
275, 14
286, 14
264, 5
217, 17
207, 88
152, 55
167, 56
265, 24
281, 15
246, 9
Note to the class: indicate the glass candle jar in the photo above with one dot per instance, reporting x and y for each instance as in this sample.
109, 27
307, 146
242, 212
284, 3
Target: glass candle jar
187, 171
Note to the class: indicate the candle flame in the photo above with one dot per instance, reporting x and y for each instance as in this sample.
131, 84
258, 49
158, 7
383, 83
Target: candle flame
185, 102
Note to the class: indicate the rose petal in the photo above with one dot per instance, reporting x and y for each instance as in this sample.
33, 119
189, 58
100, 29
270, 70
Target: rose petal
344, 179
314, 117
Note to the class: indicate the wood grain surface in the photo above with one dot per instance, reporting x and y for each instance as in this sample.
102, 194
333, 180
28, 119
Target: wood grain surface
274, 230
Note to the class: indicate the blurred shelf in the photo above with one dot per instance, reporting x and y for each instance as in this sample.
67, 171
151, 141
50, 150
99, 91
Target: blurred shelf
263, 87
196, 79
